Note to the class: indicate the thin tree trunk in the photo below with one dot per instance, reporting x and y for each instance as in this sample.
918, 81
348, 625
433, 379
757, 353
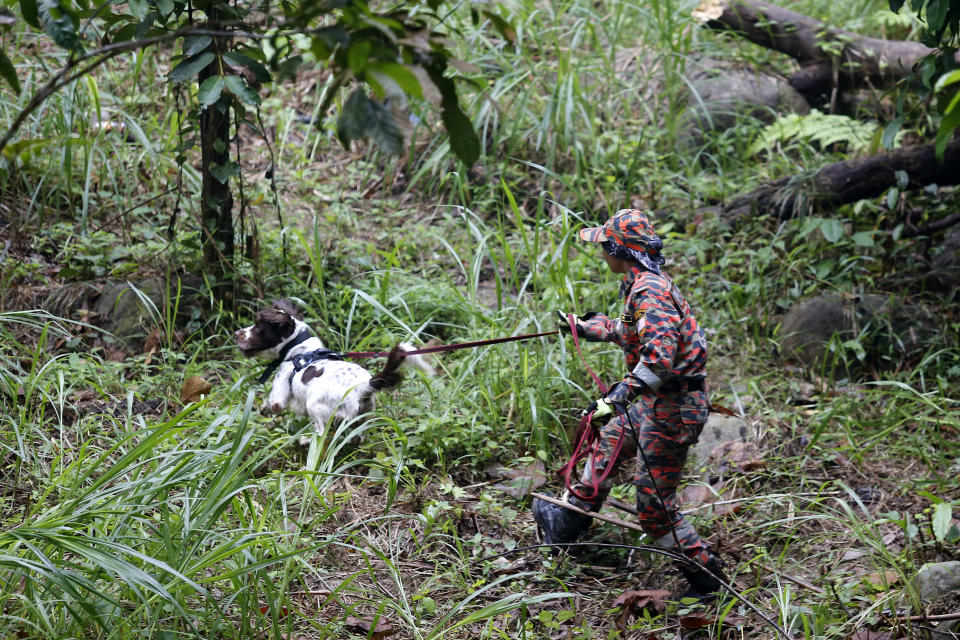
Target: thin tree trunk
845, 182
216, 200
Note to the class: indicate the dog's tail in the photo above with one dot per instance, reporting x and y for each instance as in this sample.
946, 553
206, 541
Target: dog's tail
391, 376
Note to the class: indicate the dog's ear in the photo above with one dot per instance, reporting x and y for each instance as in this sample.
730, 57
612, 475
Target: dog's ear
276, 322
288, 307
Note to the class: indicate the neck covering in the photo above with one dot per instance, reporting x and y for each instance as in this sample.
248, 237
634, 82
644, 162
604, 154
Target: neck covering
650, 261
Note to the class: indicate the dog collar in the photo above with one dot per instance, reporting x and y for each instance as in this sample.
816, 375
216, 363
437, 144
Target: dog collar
303, 336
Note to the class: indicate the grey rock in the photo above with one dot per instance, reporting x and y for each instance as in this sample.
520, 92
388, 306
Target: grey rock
720, 429
129, 310
721, 95
944, 277
885, 327
809, 325
947, 630
937, 578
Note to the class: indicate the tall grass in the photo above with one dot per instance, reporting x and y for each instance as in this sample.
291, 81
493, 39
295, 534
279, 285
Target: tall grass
206, 520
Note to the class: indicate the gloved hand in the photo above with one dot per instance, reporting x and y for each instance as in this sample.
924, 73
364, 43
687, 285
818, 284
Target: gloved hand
564, 326
603, 409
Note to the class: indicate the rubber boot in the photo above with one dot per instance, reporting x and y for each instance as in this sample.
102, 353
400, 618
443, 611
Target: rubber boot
559, 525
703, 587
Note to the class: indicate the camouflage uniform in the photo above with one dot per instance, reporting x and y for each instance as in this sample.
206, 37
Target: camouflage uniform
664, 396
666, 357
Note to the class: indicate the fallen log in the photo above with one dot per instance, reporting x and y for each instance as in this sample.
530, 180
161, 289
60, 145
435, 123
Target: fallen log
848, 181
829, 58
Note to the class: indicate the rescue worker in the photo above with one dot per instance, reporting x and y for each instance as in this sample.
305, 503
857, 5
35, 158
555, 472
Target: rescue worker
662, 401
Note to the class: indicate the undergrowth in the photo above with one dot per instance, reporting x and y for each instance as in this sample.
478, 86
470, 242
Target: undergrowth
128, 510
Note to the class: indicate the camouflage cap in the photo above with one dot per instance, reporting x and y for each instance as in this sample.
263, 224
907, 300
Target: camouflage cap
627, 227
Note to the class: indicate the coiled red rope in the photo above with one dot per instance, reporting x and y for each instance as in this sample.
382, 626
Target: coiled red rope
588, 435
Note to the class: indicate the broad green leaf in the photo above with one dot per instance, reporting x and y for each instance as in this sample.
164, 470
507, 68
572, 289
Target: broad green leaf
936, 14
928, 67
350, 123
9, 73
192, 45
124, 33
327, 40
832, 229
397, 75
239, 88
383, 128
209, 91
947, 79
953, 104
240, 60
165, 7
361, 118
463, 139
950, 122
139, 9
190, 67
863, 239
145, 25
892, 195
29, 11
223, 172
895, 5
387, 26
890, 132
942, 515
58, 24
358, 55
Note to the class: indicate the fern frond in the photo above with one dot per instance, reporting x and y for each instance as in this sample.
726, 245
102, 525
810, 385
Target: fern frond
818, 128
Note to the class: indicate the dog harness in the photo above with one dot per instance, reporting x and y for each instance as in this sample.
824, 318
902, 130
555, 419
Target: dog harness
301, 337
303, 360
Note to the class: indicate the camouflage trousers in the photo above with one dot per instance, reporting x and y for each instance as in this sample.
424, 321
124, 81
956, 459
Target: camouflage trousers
666, 425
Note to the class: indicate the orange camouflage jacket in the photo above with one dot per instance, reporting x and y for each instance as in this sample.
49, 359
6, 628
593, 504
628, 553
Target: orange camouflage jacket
661, 339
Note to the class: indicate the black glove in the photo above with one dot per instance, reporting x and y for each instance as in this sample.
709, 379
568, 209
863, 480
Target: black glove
564, 326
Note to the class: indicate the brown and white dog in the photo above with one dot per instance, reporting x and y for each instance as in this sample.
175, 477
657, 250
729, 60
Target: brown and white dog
310, 379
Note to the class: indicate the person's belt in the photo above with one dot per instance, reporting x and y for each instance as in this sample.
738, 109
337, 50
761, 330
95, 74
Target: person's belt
682, 385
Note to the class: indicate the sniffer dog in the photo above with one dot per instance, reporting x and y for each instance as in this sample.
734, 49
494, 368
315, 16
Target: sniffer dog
310, 379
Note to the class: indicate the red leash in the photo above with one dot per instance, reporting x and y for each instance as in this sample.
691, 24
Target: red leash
448, 347
588, 434
576, 343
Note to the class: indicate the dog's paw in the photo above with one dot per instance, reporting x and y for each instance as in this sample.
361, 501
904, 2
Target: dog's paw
270, 408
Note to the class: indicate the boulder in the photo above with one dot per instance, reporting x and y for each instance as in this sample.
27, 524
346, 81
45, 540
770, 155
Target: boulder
936, 578
938, 586
884, 328
944, 276
720, 95
128, 310
720, 430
